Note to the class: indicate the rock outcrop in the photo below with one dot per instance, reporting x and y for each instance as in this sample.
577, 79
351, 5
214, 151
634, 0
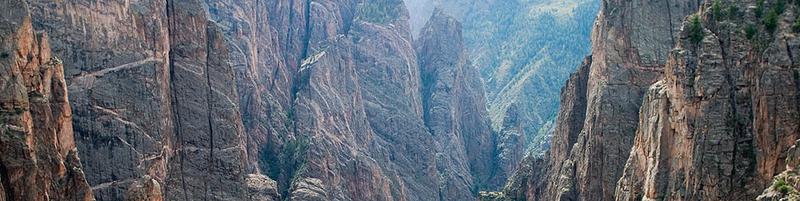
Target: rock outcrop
38, 157
784, 186
589, 151
454, 108
717, 106
524, 50
720, 122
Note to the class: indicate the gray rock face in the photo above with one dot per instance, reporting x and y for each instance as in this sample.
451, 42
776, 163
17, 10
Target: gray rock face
38, 159
454, 108
614, 90
730, 110
590, 150
715, 126
524, 50
253, 100
117, 69
155, 90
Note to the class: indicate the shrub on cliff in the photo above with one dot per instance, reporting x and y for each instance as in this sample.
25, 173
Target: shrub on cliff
696, 33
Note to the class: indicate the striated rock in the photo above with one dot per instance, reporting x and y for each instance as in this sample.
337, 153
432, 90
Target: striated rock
208, 143
530, 179
454, 109
154, 89
198, 100
116, 62
524, 50
38, 157
729, 109
716, 125
630, 43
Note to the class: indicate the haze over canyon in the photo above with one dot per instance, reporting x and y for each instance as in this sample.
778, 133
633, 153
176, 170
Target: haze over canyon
411, 100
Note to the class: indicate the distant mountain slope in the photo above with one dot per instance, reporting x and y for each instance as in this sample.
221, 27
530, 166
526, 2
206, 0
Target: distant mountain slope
524, 50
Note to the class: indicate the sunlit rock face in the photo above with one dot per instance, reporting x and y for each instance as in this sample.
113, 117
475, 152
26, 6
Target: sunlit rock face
715, 107
38, 159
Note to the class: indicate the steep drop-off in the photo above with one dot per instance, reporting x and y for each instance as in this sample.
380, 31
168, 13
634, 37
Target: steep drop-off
38, 159
255, 100
524, 50
706, 115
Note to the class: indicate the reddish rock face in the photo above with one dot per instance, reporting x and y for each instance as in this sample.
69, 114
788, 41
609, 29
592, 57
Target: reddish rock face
720, 123
715, 126
38, 159
589, 151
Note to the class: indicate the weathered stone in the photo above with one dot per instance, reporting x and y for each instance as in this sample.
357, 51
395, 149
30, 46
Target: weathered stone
38, 157
261, 188
454, 109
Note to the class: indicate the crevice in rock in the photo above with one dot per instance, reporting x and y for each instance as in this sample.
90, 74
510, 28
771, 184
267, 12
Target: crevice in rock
6, 182
209, 112
178, 144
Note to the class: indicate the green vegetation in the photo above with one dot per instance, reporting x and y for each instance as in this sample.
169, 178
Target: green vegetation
696, 33
750, 31
733, 11
759, 11
716, 10
380, 11
781, 186
284, 162
796, 25
771, 20
779, 6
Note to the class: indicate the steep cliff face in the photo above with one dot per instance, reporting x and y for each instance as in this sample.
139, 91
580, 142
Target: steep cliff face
154, 89
454, 107
721, 121
630, 43
715, 126
524, 50
253, 100
117, 69
38, 157
614, 90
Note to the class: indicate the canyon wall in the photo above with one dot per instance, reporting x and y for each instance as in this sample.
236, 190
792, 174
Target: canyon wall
678, 107
38, 156
523, 50
254, 100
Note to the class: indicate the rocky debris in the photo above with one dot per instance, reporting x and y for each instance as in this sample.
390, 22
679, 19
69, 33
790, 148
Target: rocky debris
144, 189
784, 185
38, 157
261, 188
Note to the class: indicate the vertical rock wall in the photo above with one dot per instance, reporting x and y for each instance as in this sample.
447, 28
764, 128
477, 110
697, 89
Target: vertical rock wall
38, 157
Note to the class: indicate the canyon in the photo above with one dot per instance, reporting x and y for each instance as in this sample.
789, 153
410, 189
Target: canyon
680, 100
399, 100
